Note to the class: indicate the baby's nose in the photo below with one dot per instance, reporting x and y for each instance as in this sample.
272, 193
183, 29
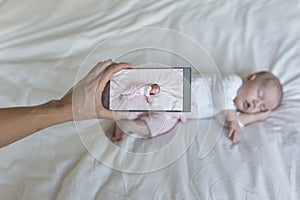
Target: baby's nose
255, 103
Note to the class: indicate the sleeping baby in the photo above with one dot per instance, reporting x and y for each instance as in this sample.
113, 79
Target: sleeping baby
147, 90
241, 100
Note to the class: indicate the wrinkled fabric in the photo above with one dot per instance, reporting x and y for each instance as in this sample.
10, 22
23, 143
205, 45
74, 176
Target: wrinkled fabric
43, 46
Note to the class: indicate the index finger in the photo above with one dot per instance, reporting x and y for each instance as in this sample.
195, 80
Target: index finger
109, 72
112, 69
236, 137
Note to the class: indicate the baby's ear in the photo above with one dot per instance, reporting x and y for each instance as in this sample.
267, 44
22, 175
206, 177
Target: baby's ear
251, 77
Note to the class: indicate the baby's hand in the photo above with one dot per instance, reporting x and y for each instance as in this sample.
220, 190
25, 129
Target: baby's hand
262, 115
148, 99
234, 131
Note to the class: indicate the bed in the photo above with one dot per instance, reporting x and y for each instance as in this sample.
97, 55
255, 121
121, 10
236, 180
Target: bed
46, 46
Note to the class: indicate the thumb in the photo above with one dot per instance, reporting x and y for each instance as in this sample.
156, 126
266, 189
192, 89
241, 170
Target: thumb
121, 115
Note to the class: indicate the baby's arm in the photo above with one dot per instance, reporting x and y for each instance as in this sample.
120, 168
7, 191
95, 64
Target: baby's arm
148, 99
246, 119
232, 121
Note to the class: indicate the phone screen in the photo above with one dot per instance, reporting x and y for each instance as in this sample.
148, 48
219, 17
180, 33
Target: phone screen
150, 89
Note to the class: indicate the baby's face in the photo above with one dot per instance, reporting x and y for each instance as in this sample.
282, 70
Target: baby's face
253, 97
154, 91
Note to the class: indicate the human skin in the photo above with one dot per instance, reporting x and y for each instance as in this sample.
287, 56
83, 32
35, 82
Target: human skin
19, 122
255, 101
254, 97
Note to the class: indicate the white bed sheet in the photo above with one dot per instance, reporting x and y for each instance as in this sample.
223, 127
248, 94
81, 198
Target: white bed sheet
42, 45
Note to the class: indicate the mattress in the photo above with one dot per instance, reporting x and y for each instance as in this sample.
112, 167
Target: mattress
47, 46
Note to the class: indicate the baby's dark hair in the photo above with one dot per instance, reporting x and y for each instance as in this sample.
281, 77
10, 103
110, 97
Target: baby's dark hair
267, 78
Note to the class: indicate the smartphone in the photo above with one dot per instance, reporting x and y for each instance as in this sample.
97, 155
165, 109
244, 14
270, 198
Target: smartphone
149, 90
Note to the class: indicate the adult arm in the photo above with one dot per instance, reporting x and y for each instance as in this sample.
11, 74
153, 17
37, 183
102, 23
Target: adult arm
81, 102
19, 122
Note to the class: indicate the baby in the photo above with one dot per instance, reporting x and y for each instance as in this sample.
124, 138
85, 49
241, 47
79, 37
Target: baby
247, 100
148, 90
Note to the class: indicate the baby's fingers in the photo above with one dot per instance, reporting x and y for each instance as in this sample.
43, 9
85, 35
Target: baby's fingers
236, 137
230, 132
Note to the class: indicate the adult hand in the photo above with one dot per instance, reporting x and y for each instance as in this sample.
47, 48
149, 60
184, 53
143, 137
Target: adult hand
83, 101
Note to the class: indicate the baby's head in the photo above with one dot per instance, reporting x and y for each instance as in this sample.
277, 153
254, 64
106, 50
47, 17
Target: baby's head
155, 89
259, 92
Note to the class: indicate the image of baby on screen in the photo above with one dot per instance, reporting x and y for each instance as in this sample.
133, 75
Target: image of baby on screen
147, 90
